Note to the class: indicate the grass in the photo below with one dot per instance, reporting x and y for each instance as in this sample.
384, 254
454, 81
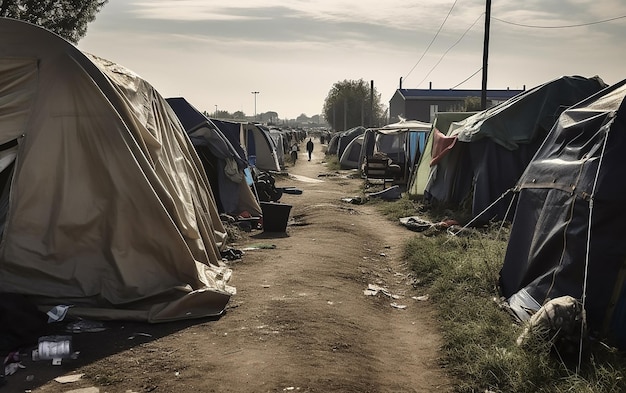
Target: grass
480, 352
332, 162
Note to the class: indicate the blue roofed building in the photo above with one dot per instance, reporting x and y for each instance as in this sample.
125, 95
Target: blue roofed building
423, 104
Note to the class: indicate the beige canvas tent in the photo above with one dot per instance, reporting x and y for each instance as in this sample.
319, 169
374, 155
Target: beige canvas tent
104, 206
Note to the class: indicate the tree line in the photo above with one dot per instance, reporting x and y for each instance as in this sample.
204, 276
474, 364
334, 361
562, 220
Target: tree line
67, 18
269, 117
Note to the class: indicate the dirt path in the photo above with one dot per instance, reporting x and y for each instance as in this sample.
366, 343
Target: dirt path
300, 320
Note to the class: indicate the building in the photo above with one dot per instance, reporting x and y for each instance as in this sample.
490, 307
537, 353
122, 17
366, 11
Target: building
422, 104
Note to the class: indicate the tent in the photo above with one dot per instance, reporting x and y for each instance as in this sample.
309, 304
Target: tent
402, 142
340, 140
280, 138
352, 154
232, 131
104, 205
223, 165
420, 171
255, 142
346, 137
485, 154
566, 237
260, 145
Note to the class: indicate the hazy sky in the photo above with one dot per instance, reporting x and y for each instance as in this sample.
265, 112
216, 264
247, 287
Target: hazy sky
215, 53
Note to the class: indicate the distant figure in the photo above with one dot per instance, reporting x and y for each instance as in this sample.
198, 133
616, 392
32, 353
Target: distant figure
322, 139
294, 153
309, 148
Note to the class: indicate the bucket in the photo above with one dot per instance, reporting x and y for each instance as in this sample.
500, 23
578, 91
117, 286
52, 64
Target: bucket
275, 216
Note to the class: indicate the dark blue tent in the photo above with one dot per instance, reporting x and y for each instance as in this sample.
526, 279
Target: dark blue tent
566, 237
231, 131
222, 163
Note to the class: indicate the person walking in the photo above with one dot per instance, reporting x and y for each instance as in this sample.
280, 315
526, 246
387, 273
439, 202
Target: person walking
294, 152
309, 148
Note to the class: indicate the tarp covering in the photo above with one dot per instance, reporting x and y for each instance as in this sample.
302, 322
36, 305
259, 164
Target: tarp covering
108, 209
573, 194
528, 116
494, 146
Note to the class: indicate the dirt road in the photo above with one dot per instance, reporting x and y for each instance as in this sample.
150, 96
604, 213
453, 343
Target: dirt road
300, 321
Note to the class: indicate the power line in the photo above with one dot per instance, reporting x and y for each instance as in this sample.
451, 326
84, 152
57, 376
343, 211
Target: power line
468, 78
559, 27
453, 45
433, 40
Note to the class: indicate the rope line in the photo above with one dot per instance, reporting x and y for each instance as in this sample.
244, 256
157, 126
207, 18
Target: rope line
591, 203
479, 214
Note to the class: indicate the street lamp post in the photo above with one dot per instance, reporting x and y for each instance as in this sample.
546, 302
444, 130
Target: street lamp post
255, 93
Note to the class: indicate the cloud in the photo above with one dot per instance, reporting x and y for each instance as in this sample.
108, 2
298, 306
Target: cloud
364, 11
228, 49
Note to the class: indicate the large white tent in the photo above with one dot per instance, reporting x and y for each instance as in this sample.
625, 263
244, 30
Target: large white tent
104, 203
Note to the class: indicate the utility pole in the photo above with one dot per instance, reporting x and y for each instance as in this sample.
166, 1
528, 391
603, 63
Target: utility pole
483, 93
371, 104
255, 93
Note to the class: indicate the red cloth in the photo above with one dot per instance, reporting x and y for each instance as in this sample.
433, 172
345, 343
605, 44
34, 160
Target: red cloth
441, 146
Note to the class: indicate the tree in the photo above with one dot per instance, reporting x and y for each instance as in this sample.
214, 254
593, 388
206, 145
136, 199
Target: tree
348, 105
268, 117
303, 118
239, 115
472, 104
67, 18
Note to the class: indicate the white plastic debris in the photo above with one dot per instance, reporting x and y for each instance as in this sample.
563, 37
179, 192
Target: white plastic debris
373, 290
57, 313
69, 378
12, 368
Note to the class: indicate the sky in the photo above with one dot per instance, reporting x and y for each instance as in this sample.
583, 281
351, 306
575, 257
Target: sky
217, 53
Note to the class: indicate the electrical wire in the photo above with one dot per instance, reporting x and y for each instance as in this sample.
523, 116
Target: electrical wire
559, 27
500, 20
453, 45
466, 79
433, 40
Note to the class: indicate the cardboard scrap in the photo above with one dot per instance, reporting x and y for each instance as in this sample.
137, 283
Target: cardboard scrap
69, 378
